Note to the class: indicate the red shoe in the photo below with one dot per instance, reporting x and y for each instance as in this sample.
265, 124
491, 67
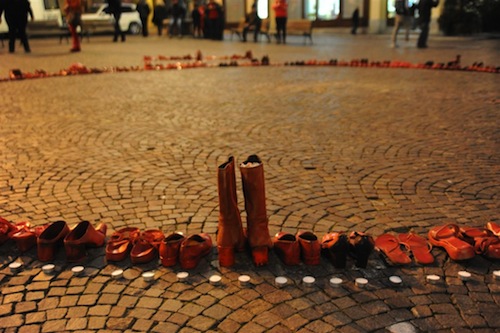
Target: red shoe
6, 228
391, 248
120, 243
82, 236
146, 246
494, 228
51, 239
193, 249
287, 248
448, 237
26, 236
483, 240
169, 249
419, 247
335, 246
310, 248
361, 246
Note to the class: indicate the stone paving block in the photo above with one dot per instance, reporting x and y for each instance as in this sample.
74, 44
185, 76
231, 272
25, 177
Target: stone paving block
217, 312
141, 313
67, 301
24, 307
143, 325
89, 300
96, 323
165, 327
58, 325
119, 323
35, 317
99, 310
56, 313
15, 320
77, 312
6, 309
29, 329
76, 324
110, 299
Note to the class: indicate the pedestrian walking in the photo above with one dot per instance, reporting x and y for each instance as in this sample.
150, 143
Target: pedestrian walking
402, 19
16, 16
143, 10
73, 11
424, 13
280, 8
355, 21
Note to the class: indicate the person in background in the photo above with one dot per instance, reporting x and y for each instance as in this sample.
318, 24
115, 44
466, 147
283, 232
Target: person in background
424, 13
196, 17
143, 10
73, 12
402, 19
280, 8
16, 16
214, 21
355, 21
253, 22
177, 13
160, 13
115, 8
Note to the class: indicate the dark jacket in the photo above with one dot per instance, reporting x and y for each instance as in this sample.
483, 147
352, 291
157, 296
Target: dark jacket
425, 8
16, 11
143, 9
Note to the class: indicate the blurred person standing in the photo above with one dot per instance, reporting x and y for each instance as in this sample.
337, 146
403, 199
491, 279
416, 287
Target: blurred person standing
197, 25
402, 19
115, 8
214, 21
160, 13
73, 12
355, 21
280, 8
177, 13
143, 10
16, 16
424, 20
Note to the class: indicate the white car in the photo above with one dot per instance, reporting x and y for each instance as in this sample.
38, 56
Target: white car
97, 18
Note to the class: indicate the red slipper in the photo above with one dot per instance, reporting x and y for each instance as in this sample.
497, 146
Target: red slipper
448, 237
390, 247
419, 246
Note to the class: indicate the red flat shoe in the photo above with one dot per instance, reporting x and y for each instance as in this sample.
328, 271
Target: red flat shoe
310, 248
26, 236
335, 247
494, 228
169, 249
6, 228
51, 239
193, 249
287, 248
120, 243
419, 247
447, 237
145, 248
391, 248
483, 240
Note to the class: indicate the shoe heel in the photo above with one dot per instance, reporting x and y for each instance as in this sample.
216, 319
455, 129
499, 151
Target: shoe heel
260, 255
226, 256
75, 252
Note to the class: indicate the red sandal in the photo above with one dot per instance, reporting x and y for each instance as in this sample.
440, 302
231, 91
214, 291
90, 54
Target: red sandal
391, 248
448, 237
419, 247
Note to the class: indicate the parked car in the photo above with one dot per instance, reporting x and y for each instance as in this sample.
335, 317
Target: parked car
98, 19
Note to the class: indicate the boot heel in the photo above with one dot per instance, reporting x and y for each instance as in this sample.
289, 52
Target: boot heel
226, 256
75, 252
260, 255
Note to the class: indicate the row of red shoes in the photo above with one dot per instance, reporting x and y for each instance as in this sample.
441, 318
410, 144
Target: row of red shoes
335, 246
143, 247
49, 238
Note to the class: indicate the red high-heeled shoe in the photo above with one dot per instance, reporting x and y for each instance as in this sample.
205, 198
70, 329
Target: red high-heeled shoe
82, 236
51, 239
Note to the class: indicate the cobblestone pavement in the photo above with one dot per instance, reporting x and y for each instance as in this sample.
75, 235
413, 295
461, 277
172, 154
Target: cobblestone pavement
366, 149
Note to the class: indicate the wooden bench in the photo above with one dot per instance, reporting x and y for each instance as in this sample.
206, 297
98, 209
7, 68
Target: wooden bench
264, 29
47, 28
300, 28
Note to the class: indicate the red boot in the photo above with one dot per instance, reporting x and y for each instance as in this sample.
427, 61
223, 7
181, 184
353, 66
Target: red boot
230, 236
252, 177
82, 236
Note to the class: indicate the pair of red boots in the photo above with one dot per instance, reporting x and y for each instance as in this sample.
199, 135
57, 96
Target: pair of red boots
143, 247
49, 238
231, 236
462, 243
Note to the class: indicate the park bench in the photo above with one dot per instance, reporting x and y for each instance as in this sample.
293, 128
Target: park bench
264, 29
300, 28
